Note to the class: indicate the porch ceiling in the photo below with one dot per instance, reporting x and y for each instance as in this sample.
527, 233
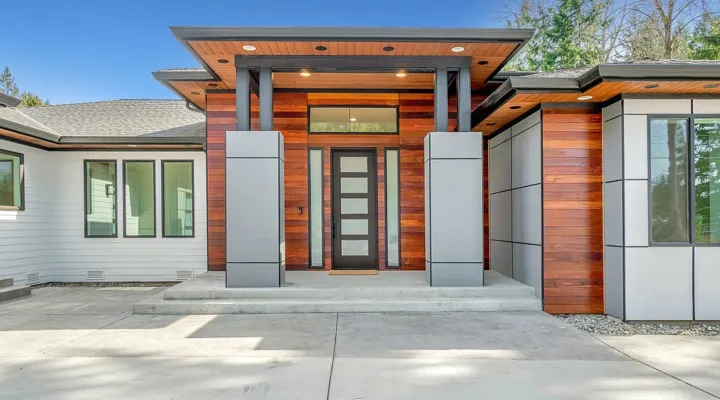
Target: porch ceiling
216, 47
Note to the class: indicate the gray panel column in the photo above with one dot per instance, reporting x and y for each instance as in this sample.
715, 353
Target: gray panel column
464, 109
266, 99
255, 217
454, 209
441, 100
242, 98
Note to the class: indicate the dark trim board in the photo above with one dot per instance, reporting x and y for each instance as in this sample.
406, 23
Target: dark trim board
352, 63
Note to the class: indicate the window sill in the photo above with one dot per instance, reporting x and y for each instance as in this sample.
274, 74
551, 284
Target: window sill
11, 208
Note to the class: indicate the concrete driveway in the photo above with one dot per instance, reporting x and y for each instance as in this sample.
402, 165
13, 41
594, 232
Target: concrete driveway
83, 343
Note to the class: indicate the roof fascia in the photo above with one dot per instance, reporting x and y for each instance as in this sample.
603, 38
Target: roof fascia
130, 140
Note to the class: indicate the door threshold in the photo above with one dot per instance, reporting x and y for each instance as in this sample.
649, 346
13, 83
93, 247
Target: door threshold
353, 272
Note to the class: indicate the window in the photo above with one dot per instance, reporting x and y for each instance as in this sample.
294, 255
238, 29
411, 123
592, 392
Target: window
177, 198
100, 199
139, 195
353, 120
11, 180
316, 207
707, 179
392, 206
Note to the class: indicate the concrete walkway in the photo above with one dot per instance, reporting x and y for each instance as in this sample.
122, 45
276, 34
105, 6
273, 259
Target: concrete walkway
83, 343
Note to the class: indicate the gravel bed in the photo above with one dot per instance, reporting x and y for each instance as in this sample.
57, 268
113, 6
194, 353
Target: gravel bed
106, 284
602, 325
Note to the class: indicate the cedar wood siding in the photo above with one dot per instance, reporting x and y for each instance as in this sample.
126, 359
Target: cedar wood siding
416, 120
573, 211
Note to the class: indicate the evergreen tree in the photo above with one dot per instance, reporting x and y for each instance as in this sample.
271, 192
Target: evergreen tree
27, 99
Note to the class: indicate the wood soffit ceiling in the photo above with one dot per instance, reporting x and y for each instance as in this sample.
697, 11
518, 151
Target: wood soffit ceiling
522, 102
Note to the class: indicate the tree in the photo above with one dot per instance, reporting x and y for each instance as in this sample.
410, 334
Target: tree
27, 99
705, 41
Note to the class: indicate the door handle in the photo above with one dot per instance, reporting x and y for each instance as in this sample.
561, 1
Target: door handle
334, 228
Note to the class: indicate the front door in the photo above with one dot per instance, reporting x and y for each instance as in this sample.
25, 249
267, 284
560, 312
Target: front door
354, 209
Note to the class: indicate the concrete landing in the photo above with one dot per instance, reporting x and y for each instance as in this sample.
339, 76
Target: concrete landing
318, 292
9, 292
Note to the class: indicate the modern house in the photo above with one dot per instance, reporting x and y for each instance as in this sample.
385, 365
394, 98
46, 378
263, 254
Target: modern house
380, 149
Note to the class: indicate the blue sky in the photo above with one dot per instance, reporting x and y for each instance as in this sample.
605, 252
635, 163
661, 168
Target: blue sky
77, 51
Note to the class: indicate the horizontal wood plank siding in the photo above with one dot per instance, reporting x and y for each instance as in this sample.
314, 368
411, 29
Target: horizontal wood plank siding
572, 211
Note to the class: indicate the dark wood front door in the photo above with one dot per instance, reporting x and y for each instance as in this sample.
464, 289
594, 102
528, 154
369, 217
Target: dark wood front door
354, 209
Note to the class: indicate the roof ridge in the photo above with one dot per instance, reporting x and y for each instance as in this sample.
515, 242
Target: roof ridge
106, 101
38, 122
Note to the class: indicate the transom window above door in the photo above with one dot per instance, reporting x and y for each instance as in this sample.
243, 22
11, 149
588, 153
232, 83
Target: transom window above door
336, 119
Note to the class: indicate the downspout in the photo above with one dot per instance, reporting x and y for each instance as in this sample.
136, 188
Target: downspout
192, 107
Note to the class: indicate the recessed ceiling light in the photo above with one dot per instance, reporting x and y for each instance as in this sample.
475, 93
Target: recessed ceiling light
212, 84
583, 98
249, 47
483, 62
388, 48
320, 48
195, 93
712, 86
401, 73
305, 73
490, 124
652, 86
457, 49
353, 119
223, 61
132, 145
514, 107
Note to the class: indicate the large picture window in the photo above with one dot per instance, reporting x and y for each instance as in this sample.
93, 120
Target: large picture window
11, 180
139, 195
178, 202
685, 179
100, 199
327, 119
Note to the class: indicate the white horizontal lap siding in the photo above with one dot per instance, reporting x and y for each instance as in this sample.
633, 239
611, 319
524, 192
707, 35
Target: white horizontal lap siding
48, 237
124, 259
23, 234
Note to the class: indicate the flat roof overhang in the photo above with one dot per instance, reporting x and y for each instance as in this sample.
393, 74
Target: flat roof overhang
520, 94
217, 47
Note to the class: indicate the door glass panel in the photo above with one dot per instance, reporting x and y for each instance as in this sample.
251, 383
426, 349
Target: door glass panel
354, 247
353, 206
316, 207
354, 227
353, 185
392, 209
353, 164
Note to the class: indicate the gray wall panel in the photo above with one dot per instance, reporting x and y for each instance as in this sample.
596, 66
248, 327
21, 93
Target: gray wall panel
527, 157
501, 257
252, 202
527, 215
460, 145
613, 281
707, 283
250, 275
252, 144
499, 173
706, 106
658, 283
612, 150
457, 216
635, 147
527, 265
636, 213
613, 213
526, 123
457, 274
501, 137
612, 111
501, 216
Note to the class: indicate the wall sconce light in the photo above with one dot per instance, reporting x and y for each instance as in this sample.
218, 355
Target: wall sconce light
299, 210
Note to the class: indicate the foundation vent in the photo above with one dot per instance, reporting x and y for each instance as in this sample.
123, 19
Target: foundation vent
183, 275
95, 275
32, 278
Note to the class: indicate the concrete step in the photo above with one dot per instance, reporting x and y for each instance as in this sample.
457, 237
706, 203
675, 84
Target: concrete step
385, 293
157, 305
5, 282
13, 292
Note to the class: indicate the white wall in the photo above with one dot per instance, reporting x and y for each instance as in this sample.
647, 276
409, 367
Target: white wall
515, 174
48, 236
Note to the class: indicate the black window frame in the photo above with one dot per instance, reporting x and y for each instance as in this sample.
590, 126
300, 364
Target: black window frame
162, 196
309, 208
691, 179
21, 174
399, 208
124, 191
85, 198
354, 106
